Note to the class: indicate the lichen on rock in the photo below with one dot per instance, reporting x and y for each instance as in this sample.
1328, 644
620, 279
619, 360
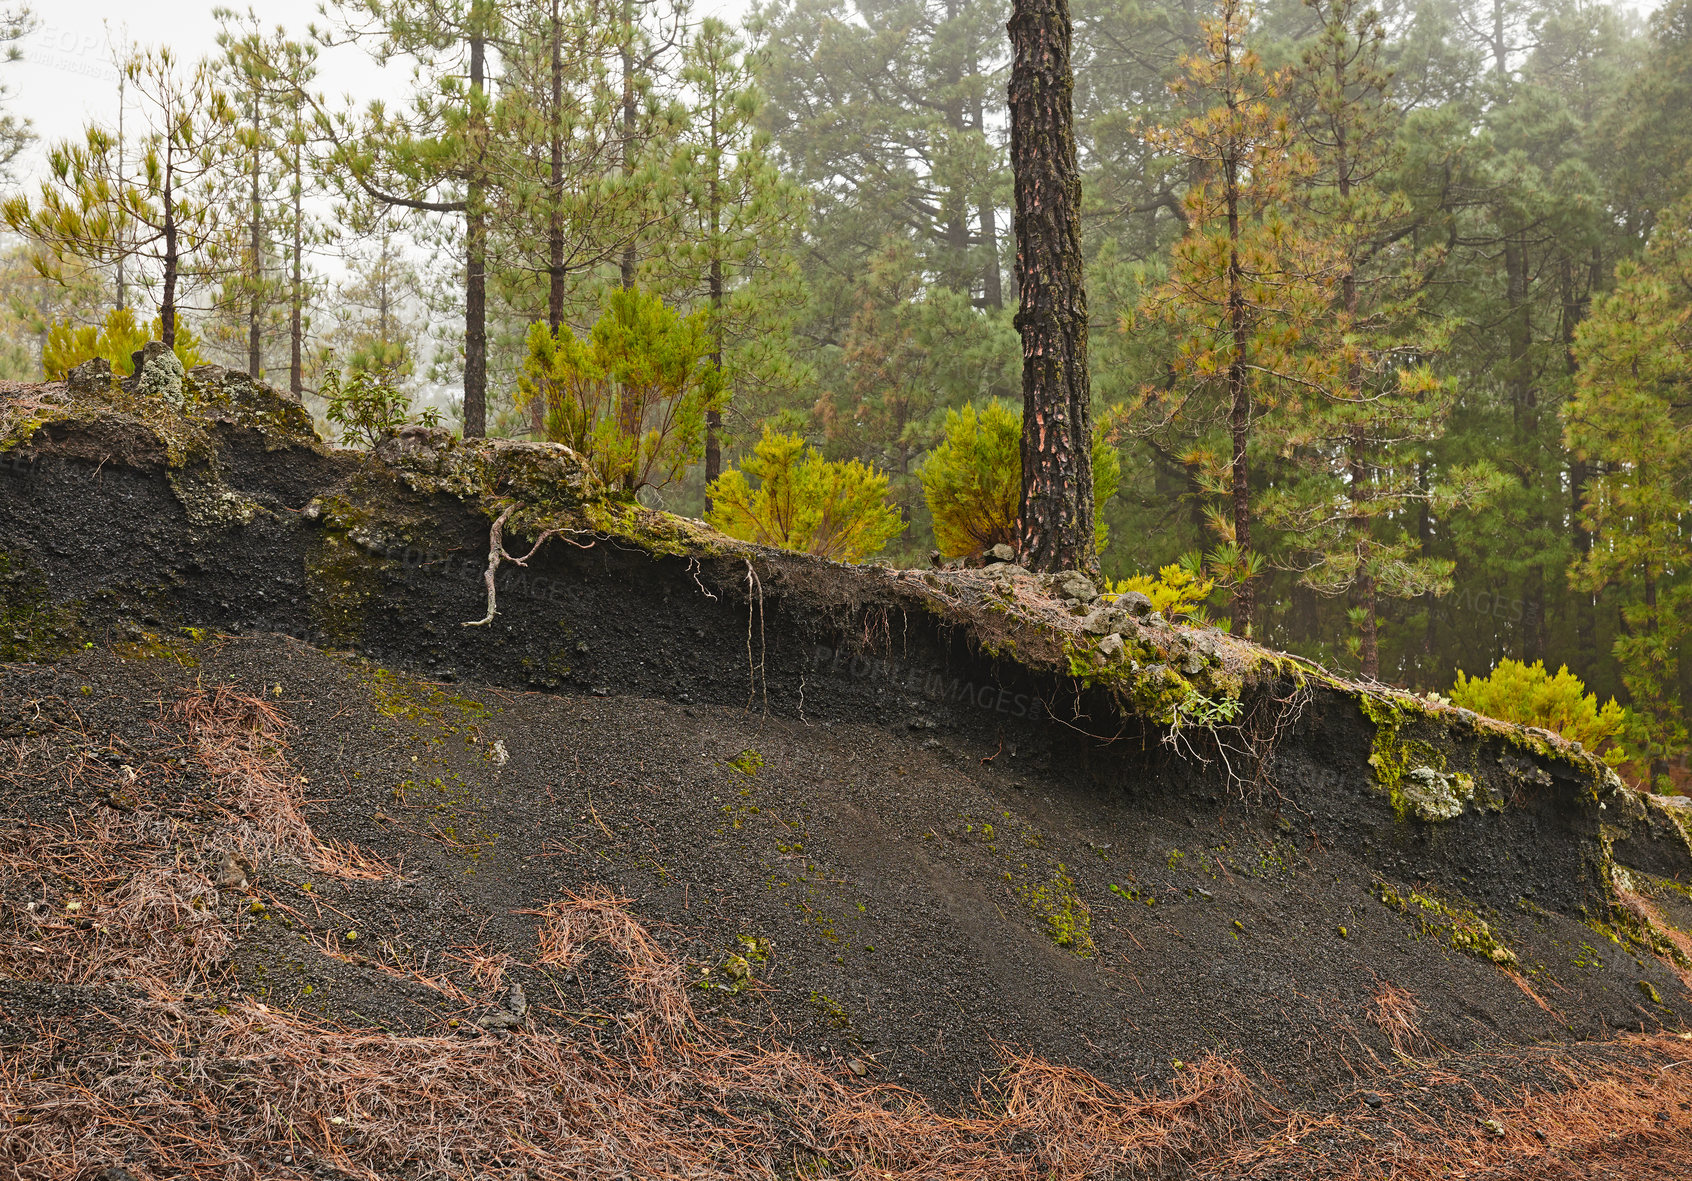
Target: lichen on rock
1433, 795
159, 374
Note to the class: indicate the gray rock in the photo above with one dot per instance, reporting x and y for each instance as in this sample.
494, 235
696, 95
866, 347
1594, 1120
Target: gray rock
1134, 603
1104, 620
499, 1019
1002, 553
1434, 795
1193, 664
159, 374
90, 377
1111, 646
515, 1001
1072, 584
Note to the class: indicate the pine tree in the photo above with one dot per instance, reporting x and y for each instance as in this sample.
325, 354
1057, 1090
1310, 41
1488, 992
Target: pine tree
632, 396
269, 74
1631, 415
739, 219
885, 111
438, 156
1367, 402
1244, 285
561, 210
16, 134
96, 210
377, 305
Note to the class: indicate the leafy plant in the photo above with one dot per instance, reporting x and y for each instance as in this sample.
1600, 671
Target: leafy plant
367, 404
69, 345
1178, 590
973, 480
1530, 696
632, 396
833, 508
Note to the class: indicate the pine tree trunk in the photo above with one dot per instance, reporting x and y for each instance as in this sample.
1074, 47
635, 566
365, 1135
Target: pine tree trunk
714, 417
255, 306
992, 286
1364, 592
1239, 410
1369, 648
296, 295
627, 267
1586, 643
167, 306
475, 267
1057, 470
555, 146
555, 213
1424, 542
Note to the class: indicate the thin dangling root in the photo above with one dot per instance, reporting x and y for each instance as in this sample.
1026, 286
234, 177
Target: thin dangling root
755, 665
496, 553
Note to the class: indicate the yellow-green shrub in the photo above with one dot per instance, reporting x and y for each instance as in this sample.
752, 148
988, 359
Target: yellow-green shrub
972, 481
69, 345
1530, 696
1177, 590
837, 509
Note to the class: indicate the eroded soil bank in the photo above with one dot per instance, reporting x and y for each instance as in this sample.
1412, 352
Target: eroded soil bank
755, 838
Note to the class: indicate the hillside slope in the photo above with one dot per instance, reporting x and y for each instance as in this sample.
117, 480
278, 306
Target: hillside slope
755, 838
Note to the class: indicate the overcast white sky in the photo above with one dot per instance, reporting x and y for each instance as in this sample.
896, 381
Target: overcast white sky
66, 78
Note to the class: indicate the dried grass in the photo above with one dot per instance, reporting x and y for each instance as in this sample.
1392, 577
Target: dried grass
569, 927
178, 1091
105, 899
240, 740
1622, 1114
1394, 1011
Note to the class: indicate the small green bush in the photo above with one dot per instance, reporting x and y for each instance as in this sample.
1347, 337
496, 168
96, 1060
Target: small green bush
1179, 590
837, 509
630, 397
973, 480
368, 403
1530, 696
69, 345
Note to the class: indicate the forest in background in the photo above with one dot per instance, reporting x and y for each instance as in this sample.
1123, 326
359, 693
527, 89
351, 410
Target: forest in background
1389, 304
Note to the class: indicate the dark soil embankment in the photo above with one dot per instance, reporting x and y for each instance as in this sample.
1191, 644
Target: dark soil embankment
912, 827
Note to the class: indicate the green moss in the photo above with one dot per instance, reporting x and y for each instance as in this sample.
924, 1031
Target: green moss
1650, 992
737, 970
658, 533
1411, 771
1136, 677
423, 704
748, 763
152, 646
1459, 928
834, 1014
343, 582
32, 627
1067, 918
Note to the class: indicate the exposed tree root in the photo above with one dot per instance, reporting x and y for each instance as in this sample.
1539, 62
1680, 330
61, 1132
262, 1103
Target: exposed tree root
497, 554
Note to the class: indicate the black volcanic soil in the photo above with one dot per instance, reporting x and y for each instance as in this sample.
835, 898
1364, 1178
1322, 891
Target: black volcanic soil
914, 900
873, 817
